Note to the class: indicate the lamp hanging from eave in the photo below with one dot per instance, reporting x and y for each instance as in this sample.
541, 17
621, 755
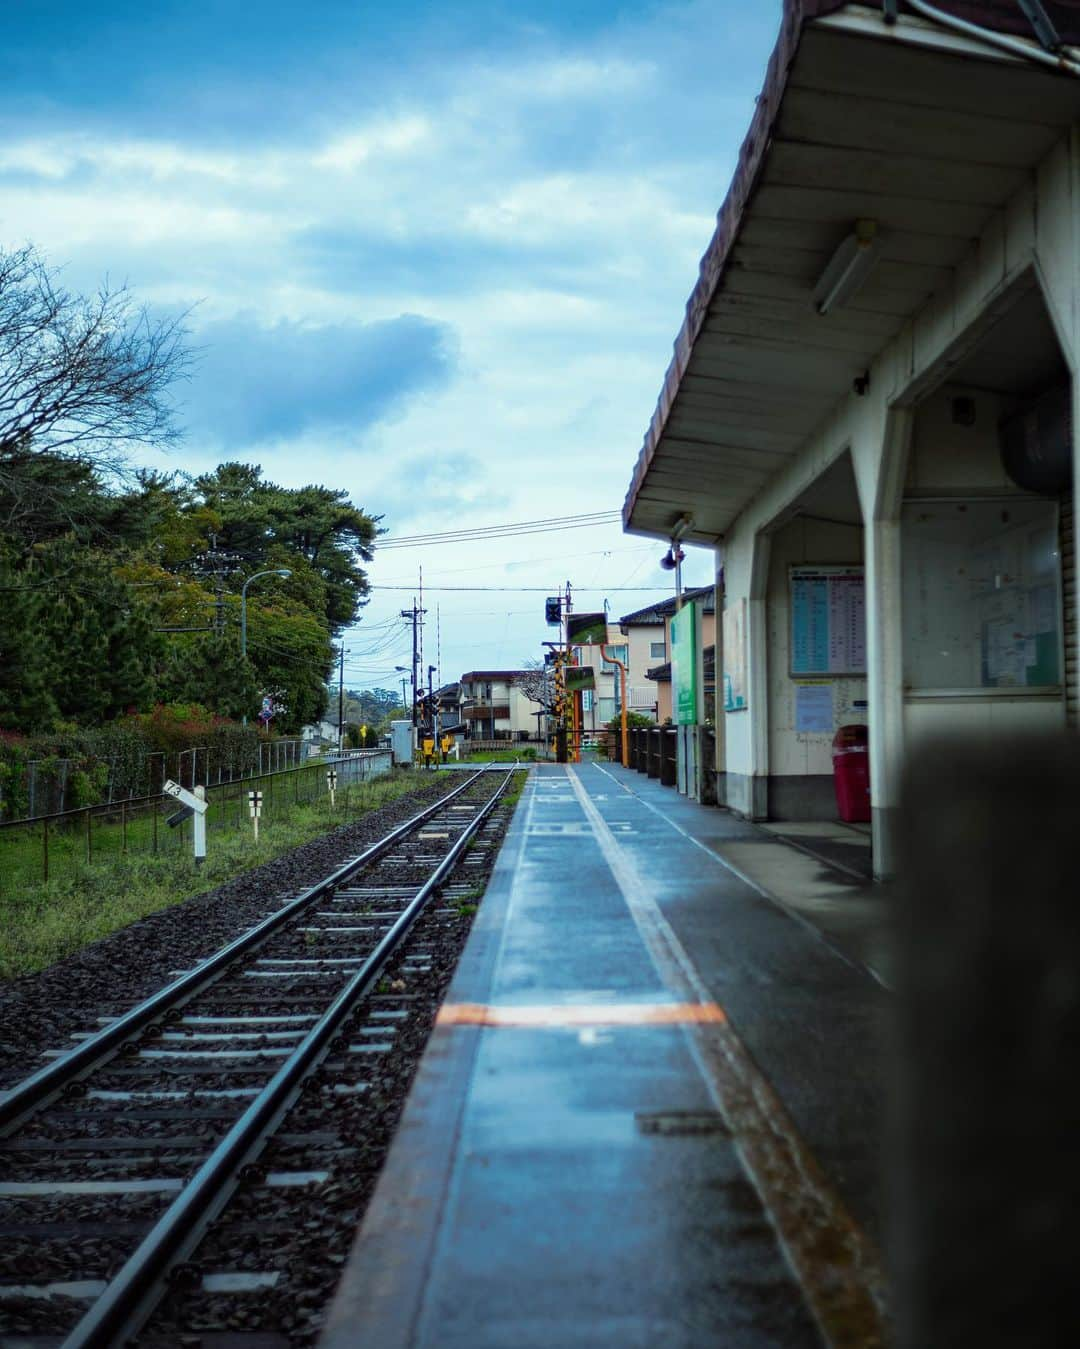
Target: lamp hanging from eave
848, 268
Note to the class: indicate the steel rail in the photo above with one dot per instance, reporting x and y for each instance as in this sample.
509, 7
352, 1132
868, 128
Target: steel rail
123, 1308
33, 1091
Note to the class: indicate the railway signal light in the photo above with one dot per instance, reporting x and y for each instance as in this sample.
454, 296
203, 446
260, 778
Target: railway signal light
553, 611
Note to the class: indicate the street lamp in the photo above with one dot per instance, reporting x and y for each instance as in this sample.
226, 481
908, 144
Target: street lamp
270, 571
403, 670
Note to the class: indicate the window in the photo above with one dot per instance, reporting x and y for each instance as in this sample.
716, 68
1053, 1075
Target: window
607, 708
657, 650
981, 594
607, 666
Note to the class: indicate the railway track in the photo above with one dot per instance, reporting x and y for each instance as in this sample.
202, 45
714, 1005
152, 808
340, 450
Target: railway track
165, 1177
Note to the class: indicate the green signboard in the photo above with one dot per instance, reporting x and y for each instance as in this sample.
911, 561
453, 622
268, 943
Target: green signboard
586, 629
579, 677
684, 666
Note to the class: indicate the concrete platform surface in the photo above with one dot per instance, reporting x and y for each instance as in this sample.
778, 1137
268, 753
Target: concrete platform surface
648, 1114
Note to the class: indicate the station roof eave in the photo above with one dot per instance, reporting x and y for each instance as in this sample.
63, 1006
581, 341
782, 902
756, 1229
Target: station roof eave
924, 131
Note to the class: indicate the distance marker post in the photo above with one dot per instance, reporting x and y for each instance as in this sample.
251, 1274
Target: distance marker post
194, 805
331, 784
255, 810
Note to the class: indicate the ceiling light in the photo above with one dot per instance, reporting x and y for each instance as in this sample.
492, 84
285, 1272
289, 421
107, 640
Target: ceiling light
848, 267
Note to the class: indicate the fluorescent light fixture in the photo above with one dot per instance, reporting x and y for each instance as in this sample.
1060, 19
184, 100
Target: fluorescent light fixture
848, 268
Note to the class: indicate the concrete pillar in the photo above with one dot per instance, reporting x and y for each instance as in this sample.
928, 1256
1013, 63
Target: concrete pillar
885, 686
881, 464
757, 677
718, 766
1057, 268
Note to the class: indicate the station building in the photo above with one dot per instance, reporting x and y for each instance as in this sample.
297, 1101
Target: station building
869, 410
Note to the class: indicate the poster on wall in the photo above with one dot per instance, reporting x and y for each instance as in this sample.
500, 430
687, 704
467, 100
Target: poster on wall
814, 709
684, 666
735, 657
828, 621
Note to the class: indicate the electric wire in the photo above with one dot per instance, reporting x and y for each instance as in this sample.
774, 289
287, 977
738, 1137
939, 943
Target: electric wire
549, 526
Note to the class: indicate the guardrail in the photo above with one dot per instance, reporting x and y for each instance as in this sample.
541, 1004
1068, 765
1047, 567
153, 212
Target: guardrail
34, 850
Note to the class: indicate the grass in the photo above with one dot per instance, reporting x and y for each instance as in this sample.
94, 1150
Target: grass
41, 922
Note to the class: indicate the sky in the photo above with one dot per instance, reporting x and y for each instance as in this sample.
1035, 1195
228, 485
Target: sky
435, 254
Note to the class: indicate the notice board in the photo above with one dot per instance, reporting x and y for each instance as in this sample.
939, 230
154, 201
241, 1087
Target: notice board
828, 621
735, 656
684, 665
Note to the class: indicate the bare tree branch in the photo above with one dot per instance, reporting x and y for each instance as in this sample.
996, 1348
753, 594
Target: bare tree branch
84, 377
537, 682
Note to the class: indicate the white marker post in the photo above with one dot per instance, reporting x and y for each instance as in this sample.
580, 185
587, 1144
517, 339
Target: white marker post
331, 782
255, 810
196, 804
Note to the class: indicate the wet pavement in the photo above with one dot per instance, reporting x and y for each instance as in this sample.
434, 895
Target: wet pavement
650, 1111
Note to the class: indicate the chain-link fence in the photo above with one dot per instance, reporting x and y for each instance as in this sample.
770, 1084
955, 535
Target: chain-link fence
63, 842
47, 785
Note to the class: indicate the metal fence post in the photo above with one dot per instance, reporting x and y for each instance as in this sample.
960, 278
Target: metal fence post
45, 850
123, 826
89, 840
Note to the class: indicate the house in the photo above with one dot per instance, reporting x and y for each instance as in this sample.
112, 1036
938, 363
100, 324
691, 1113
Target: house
651, 628
869, 412
495, 706
647, 648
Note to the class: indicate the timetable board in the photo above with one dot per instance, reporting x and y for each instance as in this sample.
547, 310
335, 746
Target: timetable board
828, 621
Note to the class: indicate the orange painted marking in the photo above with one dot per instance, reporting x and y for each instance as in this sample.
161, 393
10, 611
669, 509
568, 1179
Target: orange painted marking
581, 1014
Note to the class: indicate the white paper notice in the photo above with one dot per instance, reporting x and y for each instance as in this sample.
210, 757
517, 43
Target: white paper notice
814, 709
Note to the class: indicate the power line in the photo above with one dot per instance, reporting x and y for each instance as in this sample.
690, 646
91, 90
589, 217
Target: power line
538, 590
549, 526
643, 553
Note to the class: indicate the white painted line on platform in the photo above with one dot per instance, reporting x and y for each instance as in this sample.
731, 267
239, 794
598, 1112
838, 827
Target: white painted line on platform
844, 1289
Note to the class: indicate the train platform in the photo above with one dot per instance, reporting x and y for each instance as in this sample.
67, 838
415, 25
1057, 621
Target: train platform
649, 1111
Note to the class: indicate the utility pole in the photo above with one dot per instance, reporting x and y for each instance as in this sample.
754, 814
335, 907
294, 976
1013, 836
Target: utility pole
414, 614
341, 701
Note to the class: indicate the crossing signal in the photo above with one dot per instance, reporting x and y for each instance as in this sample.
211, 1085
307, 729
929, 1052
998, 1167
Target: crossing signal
552, 611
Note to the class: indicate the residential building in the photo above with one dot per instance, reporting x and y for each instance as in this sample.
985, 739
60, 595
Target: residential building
645, 634
651, 628
495, 706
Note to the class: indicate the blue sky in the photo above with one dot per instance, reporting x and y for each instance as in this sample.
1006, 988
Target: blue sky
437, 253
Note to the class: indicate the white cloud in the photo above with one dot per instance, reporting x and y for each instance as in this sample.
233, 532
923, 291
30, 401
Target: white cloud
548, 209
400, 137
